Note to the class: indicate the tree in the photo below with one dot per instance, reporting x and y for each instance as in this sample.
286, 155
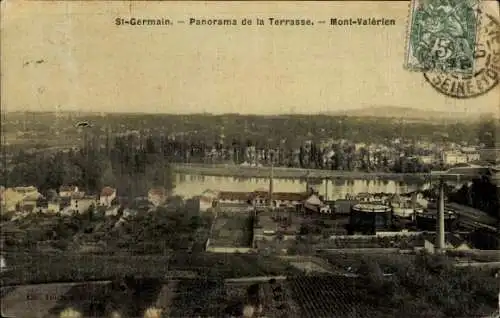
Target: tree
195, 222
487, 132
371, 274
91, 212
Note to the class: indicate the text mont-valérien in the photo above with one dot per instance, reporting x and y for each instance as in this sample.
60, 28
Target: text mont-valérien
362, 21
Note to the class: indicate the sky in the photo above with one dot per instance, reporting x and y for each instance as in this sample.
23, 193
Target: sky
92, 65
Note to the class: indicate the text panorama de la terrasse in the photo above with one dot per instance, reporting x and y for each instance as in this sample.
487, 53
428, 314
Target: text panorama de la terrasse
256, 21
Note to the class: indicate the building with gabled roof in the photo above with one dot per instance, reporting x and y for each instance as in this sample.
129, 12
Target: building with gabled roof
452, 242
207, 199
157, 196
68, 190
107, 195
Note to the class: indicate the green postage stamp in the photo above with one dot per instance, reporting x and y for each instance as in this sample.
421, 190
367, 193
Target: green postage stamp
442, 36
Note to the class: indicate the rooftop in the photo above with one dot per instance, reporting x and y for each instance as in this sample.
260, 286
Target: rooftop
107, 191
68, 188
369, 207
157, 191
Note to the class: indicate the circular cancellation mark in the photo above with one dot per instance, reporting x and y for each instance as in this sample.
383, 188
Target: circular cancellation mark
487, 66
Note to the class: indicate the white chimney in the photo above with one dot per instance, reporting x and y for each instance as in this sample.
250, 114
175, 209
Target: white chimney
440, 222
3, 265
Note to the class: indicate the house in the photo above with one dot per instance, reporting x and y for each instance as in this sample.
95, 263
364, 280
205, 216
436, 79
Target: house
426, 159
31, 202
286, 199
53, 207
315, 204
453, 157
233, 197
112, 212
107, 196
364, 197
26, 191
11, 199
471, 154
452, 242
157, 196
67, 191
82, 204
207, 199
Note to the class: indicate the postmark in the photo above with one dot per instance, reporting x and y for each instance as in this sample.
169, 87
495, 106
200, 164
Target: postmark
487, 66
442, 36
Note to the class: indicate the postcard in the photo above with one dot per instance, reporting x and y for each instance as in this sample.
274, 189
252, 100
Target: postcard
250, 158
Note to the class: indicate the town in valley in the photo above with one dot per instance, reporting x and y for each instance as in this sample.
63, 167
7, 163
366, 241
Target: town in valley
256, 208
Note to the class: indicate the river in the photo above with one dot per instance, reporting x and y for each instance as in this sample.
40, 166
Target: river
188, 185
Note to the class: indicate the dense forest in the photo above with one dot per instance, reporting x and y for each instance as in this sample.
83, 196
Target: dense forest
131, 169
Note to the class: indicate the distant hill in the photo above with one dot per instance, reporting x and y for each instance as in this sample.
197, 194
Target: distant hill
410, 114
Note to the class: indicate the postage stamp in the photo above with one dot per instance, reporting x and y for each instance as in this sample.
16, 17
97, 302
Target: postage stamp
486, 66
442, 36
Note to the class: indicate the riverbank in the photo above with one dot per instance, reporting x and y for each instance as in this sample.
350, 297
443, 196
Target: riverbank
228, 170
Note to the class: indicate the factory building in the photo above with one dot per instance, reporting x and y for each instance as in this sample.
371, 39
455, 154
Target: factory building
426, 221
368, 218
405, 207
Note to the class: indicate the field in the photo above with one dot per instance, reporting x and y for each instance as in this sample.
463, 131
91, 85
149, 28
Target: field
403, 242
131, 297
90, 299
388, 263
309, 266
216, 298
428, 284
42, 268
295, 297
231, 231
323, 296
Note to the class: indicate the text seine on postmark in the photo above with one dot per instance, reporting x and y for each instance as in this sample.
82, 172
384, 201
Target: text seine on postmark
442, 36
486, 66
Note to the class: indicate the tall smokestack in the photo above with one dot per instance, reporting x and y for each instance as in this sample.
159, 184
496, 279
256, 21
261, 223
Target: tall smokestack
414, 201
308, 187
271, 184
440, 223
326, 189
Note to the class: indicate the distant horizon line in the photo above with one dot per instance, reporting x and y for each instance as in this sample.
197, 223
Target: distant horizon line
332, 112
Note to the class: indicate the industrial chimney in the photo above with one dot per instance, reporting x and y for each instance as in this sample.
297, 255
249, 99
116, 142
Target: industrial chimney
271, 184
326, 189
440, 219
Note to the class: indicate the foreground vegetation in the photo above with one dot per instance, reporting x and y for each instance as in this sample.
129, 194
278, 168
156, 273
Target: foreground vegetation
428, 285
425, 284
177, 226
43, 268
